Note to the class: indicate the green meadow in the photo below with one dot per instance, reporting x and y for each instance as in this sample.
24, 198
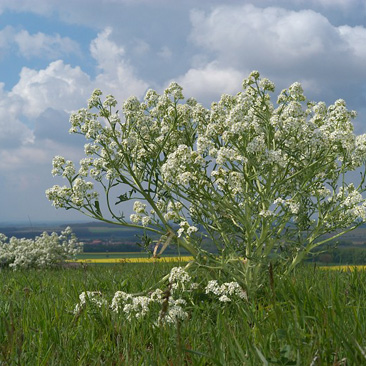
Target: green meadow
315, 317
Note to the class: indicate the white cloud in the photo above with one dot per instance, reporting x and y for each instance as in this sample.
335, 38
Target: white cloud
106, 52
58, 86
46, 97
245, 33
206, 84
286, 45
39, 45
13, 133
117, 75
43, 45
356, 40
62, 87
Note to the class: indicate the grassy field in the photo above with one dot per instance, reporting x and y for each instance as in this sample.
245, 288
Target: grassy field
315, 317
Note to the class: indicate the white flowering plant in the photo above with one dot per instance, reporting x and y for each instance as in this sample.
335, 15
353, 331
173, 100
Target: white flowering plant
44, 251
162, 307
258, 179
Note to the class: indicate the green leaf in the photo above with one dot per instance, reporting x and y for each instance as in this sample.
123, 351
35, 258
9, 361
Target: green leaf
122, 198
97, 208
125, 196
260, 354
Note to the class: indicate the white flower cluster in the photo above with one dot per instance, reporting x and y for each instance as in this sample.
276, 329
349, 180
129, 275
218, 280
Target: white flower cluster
138, 307
175, 311
186, 228
95, 298
352, 207
44, 251
79, 194
183, 166
140, 216
172, 211
131, 306
227, 291
179, 279
294, 207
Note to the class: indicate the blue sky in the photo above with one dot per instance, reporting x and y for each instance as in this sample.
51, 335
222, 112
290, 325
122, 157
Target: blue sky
53, 54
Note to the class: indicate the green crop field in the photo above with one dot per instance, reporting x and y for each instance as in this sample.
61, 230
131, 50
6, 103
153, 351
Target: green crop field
316, 317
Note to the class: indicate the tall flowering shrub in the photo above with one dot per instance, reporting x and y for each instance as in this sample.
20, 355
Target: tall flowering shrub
44, 251
258, 179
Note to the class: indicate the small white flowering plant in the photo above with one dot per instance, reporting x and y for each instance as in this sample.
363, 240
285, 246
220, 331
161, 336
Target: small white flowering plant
163, 307
258, 179
44, 251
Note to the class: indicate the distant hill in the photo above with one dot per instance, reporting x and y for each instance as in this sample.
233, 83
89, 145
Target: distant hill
96, 236
100, 236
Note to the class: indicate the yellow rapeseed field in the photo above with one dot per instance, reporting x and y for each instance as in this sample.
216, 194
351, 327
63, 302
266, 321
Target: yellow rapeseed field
136, 260
344, 268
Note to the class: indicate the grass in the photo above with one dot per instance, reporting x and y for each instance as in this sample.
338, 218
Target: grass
315, 317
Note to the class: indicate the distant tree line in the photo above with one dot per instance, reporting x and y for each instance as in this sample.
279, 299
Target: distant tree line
344, 253
111, 247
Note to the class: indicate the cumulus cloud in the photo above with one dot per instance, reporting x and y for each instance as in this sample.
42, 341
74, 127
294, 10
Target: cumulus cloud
43, 45
37, 45
106, 52
13, 133
245, 34
355, 37
58, 86
117, 75
206, 84
34, 114
288, 45
62, 87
